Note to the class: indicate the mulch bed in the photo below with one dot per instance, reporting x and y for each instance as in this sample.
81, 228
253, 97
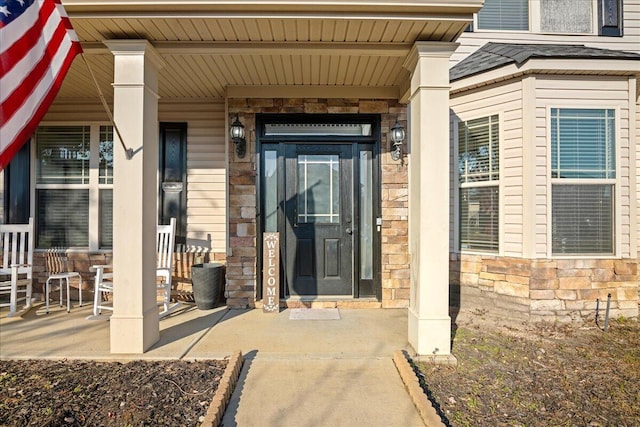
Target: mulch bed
87, 393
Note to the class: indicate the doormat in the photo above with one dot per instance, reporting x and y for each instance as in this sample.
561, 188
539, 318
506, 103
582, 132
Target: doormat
314, 314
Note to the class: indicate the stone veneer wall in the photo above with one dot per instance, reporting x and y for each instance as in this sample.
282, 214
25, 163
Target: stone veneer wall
81, 262
562, 290
241, 264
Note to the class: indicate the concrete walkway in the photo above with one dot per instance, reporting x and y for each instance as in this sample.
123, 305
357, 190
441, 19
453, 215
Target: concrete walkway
296, 372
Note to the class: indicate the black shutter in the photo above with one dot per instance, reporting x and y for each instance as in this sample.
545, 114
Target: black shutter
16, 187
173, 177
610, 18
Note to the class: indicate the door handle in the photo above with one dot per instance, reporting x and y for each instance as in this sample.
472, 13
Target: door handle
349, 230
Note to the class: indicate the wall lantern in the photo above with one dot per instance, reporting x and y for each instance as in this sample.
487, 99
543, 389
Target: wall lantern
237, 135
397, 137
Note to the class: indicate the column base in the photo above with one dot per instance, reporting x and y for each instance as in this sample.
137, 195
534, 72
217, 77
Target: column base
430, 336
134, 334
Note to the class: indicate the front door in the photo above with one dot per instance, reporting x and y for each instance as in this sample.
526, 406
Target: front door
319, 188
319, 219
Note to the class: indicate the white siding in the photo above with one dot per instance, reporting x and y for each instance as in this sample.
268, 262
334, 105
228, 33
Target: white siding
206, 169
470, 42
504, 99
592, 92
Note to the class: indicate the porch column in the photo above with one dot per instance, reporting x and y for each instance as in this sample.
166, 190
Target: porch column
429, 321
134, 323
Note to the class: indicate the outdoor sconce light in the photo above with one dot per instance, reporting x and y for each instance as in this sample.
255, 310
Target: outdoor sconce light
237, 135
397, 137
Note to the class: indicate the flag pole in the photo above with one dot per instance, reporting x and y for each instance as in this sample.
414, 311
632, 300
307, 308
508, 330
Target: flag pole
128, 151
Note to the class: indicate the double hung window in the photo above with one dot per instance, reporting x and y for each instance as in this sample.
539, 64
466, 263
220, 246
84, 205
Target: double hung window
583, 175
479, 178
69, 192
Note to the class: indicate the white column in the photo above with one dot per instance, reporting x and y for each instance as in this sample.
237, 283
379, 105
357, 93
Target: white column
134, 323
429, 321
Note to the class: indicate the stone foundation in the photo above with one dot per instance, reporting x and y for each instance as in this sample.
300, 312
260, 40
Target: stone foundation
563, 290
81, 262
242, 263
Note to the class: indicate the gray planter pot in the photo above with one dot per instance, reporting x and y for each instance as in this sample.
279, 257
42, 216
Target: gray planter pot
207, 280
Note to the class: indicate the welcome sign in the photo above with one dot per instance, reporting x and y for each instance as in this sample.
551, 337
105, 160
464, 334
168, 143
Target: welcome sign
271, 273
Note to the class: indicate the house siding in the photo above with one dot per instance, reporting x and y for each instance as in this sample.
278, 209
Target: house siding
591, 92
630, 42
524, 281
206, 184
206, 170
504, 99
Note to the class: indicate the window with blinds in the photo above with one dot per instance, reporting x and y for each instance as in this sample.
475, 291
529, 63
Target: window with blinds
583, 172
479, 174
67, 194
510, 15
63, 154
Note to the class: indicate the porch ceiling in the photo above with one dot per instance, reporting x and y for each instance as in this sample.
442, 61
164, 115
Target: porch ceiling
211, 46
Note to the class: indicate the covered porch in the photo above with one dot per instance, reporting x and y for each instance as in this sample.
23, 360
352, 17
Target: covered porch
208, 62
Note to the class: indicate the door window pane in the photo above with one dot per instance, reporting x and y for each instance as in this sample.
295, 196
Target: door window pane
271, 191
318, 188
366, 215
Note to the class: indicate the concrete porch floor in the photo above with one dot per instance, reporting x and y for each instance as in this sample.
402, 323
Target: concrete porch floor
190, 333
296, 372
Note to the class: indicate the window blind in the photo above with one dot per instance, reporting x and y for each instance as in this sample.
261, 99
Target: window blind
504, 15
478, 155
479, 218
62, 218
106, 219
582, 219
582, 143
63, 154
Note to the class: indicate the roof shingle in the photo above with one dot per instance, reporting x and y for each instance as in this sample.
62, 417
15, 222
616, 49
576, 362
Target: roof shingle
495, 55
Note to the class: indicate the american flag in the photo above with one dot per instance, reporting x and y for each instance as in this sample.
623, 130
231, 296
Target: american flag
37, 46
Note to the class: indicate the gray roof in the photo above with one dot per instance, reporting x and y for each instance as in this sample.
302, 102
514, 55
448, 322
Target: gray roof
495, 55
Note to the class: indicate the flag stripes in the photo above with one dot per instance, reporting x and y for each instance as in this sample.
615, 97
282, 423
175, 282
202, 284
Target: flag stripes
36, 51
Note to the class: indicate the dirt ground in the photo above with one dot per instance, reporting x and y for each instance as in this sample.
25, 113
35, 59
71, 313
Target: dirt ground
538, 375
85, 393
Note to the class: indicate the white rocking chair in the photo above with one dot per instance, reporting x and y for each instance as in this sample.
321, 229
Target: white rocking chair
165, 239
17, 263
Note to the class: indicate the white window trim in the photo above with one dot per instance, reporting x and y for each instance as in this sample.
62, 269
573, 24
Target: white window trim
457, 185
535, 23
617, 181
93, 186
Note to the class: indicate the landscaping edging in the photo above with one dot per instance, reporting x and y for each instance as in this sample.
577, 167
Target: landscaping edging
224, 391
419, 398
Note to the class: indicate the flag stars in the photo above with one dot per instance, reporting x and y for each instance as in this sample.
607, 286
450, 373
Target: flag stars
5, 10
